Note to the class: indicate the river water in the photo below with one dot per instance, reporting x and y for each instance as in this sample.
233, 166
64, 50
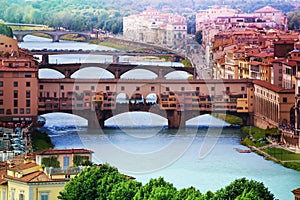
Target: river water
202, 155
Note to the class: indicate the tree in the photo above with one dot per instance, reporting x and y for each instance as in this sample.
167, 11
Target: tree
190, 193
198, 37
97, 183
5, 30
293, 19
244, 188
156, 189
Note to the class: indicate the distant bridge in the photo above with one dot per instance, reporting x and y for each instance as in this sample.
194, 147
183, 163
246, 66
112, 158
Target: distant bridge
55, 35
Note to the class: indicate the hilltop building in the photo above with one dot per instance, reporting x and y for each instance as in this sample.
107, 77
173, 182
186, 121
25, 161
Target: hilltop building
154, 27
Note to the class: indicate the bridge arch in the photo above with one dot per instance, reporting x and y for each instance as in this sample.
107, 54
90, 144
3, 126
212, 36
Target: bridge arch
122, 98
91, 72
137, 119
178, 74
64, 119
138, 74
86, 36
50, 73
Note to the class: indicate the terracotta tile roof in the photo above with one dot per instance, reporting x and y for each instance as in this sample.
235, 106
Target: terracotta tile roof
35, 177
255, 63
272, 87
290, 63
296, 191
23, 166
64, 151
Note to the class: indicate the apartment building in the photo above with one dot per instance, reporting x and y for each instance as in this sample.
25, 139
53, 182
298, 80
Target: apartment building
154, 27
18, 83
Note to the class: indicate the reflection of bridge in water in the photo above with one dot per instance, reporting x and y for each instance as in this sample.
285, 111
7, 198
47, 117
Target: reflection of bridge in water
176, 100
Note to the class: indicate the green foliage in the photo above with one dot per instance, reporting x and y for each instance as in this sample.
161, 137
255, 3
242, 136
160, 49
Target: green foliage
5, 30
41, 141
106, 183
293, 20
79, 160
292, 165
97, 183
231, 119
242, 188
156, 189
186, 63
50, 162
198, 37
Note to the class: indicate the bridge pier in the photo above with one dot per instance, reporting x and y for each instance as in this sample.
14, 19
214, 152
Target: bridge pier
175, 119
248, 119
55, 38
116, 59
19, 37
45, 59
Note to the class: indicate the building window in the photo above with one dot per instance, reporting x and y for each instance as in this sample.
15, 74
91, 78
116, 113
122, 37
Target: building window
122, 88
107, 88
28, 75
66, 162
15, 110
1, 111
12, 193
1, 102
15, 83
41, 87
48, 94
167, 89
21, 110
197, 88
63, 95
212, 88
76, 87
27, 103
62, 87
242, 88
54, 95
15, 103
44, 195
27, 84
182, 88
21, 195
1, 83
27, 110
137, 88
27, 94
152, 88
284, 99
1, 92
15, 93
227, 88
92, 87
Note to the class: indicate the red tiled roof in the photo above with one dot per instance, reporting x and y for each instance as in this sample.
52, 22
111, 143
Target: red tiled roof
35, 177
290, 63
272, 87
296, 191
64, 151
23, 166
255, 63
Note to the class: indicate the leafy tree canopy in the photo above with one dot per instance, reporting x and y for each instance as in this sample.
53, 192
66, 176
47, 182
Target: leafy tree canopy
5, 30
106, 183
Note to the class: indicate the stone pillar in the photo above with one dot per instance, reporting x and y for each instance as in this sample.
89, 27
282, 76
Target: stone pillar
55, 38
20, 38
116, 59
174, 119
45, 59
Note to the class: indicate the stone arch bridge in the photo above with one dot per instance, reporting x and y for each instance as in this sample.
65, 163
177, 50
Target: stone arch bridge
176, 100
55, 35
116, 69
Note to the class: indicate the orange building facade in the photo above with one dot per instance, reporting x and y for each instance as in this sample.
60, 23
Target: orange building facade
18, 83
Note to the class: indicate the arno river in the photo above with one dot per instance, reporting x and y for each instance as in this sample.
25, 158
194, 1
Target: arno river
142, 147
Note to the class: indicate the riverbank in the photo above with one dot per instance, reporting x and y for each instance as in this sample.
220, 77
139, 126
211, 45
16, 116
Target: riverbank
40, 141
266, 143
